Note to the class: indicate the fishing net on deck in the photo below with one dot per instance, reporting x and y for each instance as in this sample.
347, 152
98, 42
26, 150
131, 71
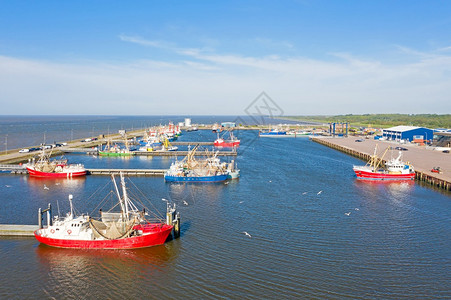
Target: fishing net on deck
112, 230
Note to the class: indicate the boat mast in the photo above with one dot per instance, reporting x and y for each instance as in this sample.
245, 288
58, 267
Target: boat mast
121, 202
124, 195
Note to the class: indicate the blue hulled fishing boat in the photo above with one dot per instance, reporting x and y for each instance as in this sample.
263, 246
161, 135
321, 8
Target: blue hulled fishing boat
209, 169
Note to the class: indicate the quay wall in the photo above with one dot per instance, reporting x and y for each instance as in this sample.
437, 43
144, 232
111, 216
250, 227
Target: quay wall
421, 175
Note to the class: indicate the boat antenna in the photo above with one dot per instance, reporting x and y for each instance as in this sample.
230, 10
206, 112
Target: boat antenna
71, 206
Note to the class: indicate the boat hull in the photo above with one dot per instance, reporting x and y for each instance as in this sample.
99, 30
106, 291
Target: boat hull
383, 176
280, 134
227, 144
157, 237
216, 178
36, 173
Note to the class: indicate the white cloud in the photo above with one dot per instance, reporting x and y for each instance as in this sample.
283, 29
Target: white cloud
203, 82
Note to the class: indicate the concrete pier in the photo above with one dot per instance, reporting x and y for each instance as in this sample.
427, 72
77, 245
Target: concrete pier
128, 172
182, 153
17, 230
423, 159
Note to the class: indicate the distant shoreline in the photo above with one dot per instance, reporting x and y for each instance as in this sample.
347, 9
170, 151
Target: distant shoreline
382, 120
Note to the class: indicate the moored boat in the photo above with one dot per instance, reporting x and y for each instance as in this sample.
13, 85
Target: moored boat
393, 169
115, 150
209, 169
231, 141
273, 133
45, 167
128, 228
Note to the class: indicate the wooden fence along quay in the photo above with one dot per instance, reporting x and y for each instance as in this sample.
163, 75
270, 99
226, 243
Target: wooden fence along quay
419, 175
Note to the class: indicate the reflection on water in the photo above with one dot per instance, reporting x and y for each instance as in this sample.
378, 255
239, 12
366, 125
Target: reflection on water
189, 192
393, 186
95, 273
39, 183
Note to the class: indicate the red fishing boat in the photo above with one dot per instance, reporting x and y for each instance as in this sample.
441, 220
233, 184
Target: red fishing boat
45, 167
231, 141
128, 228
393, 169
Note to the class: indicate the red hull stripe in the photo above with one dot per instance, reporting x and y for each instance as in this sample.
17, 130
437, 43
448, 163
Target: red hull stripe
55, 175
158, 237
381, 176
225, 144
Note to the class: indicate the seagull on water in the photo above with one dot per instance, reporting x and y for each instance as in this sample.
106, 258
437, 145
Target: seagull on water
247, 234
319, 192
184, 202
8, 186
46, 188
241, 201
348, 213
226, 182
304, 193
356, 208
162, 199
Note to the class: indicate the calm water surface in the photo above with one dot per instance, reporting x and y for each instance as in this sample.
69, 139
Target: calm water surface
292, 198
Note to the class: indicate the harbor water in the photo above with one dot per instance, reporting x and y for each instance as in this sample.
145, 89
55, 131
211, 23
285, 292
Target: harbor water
313, 231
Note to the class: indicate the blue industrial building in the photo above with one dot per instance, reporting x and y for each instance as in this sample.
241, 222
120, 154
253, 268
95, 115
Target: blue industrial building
408, 133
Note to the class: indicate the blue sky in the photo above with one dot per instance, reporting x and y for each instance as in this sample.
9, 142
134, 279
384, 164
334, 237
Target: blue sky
216, 57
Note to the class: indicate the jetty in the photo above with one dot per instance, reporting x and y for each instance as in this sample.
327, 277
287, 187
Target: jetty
422, 158
128, 172
17, 230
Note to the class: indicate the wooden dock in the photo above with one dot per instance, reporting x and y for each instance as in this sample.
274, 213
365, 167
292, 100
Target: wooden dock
418, 157
128, 172
17, 230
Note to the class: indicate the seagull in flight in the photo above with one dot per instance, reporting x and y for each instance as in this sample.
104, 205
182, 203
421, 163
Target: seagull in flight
184, 202
46, 188
226, 182
348, 213
319, 192
247, 234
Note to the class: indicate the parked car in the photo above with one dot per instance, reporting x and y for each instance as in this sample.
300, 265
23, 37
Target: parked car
24, 150
445, 151
33, 149
436, 170
360, 140
401, 149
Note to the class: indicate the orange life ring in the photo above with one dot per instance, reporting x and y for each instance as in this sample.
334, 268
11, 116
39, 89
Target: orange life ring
69, 231
52, 230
